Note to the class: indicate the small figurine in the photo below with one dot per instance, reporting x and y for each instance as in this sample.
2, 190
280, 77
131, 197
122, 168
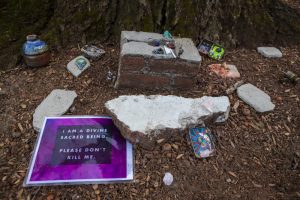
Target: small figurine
167, 35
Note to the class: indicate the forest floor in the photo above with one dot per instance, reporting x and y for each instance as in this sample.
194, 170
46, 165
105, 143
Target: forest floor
257, 155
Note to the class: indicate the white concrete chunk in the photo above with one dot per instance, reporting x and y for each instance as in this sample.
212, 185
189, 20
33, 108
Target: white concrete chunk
269, 52
55, 104
255, 98
155, 115
74, 69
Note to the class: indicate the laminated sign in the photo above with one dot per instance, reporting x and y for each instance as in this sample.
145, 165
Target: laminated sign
80, 150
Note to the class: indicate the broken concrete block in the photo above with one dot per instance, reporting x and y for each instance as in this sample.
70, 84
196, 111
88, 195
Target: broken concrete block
145, 119
55, 104
255, 98
269, 52
225, 70
78, 65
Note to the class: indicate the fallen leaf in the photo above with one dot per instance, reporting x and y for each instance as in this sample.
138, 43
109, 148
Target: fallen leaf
160, 140
179, 156
175, 146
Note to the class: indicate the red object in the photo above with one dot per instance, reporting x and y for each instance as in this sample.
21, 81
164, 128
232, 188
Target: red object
170, 45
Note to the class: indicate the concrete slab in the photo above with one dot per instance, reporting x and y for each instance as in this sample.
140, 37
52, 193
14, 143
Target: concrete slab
189, 54
255, 98
55, 104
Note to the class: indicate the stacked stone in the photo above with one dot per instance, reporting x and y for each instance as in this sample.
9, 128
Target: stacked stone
140, 68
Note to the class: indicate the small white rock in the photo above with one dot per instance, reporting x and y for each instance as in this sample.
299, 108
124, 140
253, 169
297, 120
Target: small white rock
269, 52
168, 179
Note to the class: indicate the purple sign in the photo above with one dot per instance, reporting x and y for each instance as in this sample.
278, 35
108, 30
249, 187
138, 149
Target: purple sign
81, 149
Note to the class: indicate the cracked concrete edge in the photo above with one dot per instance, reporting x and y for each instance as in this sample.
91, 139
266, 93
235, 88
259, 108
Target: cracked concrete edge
149, 141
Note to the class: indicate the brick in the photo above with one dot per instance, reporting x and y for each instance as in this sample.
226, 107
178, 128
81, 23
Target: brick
132, 63
183, 82
174, 67
145, 81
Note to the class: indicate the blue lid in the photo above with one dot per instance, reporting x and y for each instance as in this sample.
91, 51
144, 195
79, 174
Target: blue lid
34, 47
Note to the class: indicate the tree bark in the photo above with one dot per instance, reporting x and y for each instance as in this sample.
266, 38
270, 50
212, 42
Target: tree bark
228, 22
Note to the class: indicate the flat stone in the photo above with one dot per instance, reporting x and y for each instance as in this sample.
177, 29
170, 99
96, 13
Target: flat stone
255, 98
145, 119
55, 104
127, 36
227, 71
74, 69
269, 52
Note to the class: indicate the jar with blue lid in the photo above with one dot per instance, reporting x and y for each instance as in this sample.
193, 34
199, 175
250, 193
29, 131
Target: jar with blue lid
35, 52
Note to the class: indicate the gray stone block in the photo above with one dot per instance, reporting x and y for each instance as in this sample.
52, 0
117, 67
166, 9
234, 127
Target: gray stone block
269, 52
55, 104
255, 98
127, 36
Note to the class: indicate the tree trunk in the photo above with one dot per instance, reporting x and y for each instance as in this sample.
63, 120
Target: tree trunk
228, 22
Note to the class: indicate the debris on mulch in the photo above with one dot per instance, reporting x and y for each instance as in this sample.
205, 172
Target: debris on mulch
251, 147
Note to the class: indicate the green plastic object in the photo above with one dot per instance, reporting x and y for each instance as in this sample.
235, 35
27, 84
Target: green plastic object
216, 52
167, 35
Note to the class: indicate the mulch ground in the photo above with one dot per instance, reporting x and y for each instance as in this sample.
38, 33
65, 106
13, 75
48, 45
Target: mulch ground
257, 154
